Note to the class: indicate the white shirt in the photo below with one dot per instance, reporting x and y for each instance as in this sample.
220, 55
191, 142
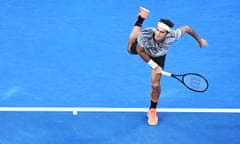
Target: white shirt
145, 40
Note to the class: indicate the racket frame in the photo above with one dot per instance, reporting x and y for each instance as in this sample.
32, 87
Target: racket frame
180, 78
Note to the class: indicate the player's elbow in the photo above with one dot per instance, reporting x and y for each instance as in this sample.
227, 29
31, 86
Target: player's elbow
185, 29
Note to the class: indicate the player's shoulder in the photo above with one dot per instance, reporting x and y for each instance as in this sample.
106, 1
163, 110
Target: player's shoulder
152, 29
174, 33
148, 31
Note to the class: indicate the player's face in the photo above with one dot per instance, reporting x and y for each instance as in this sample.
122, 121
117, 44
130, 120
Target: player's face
160, 34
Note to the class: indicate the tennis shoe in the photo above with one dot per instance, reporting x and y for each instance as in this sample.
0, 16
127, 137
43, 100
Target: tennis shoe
143, 12
152, 117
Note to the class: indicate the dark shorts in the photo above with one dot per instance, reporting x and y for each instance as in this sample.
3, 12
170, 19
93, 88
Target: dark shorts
159, 60
134, 48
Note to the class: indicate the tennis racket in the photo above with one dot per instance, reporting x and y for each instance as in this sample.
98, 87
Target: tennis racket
192, 81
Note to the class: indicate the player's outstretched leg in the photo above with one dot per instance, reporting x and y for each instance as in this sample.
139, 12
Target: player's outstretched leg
142, 15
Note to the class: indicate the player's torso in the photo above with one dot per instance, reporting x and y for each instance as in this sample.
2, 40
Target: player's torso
146, 40
152, 48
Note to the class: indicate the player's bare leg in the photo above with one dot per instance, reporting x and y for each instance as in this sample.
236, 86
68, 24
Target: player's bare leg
142, 15
155, 93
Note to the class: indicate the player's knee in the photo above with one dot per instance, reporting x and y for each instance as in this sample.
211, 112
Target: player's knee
129, 50
156, 86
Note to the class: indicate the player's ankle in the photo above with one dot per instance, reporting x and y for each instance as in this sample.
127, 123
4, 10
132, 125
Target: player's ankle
153, 104
139, 21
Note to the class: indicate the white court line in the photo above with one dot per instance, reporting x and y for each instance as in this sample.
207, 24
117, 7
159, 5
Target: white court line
75, 110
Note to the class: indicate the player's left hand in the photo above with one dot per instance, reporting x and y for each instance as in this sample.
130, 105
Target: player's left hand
203, 43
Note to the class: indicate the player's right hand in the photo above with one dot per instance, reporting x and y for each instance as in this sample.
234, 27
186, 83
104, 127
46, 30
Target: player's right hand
158, 70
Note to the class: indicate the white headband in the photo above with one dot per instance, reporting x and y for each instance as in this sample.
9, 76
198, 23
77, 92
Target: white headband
163, 25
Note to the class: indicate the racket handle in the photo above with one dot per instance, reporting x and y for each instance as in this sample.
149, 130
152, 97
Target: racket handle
166, 73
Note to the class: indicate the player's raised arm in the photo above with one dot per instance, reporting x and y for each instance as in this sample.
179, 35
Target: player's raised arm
190, 31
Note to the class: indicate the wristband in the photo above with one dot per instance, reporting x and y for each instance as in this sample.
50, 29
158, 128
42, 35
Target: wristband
152, 64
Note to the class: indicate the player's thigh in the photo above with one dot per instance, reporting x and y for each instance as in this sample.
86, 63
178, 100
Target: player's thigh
155, 79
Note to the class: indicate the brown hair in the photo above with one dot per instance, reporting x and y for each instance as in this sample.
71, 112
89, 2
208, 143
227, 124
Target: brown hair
167, 22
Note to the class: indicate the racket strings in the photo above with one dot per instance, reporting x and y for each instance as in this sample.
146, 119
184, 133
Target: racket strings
195, 82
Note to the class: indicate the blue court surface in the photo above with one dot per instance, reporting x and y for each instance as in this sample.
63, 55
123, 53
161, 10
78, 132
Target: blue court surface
61, 55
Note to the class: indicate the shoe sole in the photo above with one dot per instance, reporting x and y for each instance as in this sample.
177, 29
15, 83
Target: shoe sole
144, 9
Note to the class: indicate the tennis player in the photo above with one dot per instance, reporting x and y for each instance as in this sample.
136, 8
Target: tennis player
152, 44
